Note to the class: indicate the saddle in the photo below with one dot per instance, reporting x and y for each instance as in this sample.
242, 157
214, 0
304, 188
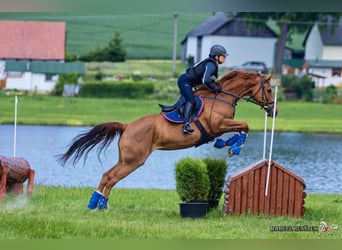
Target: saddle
174, 112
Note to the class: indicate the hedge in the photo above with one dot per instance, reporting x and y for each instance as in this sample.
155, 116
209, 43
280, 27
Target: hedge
114, 89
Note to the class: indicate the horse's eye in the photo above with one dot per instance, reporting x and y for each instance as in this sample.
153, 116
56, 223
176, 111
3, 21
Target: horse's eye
269, 90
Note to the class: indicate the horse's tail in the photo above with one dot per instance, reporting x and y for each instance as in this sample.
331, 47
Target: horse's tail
102, 135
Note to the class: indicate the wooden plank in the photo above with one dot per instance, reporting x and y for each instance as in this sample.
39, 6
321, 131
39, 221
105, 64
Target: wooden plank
263, 176
280, 190
231, 197
273, 193
256, 193
267, 198
244, 191
237, 199
292, 190
286, 188
298, 199
250, 191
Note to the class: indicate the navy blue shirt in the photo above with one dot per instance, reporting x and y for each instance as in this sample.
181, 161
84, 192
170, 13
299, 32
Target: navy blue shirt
204, 72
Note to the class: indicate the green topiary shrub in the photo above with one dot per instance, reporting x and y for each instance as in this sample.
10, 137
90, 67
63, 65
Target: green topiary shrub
217, 170
192, 181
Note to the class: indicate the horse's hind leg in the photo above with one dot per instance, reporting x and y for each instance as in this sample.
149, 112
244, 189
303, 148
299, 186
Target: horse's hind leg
100, 196
129, 160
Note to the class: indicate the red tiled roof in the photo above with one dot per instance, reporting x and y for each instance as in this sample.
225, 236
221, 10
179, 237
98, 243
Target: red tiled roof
32, 40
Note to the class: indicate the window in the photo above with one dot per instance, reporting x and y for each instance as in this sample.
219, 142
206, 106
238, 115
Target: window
336, 71
48, 77
14, 74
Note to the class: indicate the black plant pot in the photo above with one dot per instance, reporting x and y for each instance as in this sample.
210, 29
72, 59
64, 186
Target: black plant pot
193, 209
213, 204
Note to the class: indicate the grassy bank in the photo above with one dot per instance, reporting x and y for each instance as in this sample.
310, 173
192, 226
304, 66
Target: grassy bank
48, 110
59, 213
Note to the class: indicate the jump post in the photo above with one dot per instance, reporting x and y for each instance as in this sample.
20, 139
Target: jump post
266, 187
14, 171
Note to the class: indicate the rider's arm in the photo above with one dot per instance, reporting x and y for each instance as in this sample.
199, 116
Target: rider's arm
209, 75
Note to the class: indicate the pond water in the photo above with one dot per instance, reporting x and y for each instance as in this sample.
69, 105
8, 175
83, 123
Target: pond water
317, 158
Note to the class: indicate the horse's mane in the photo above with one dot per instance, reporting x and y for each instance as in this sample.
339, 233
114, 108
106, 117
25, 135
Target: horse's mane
234, 74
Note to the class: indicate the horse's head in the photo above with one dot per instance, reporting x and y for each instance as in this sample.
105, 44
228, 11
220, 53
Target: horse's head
251, 84
262, 94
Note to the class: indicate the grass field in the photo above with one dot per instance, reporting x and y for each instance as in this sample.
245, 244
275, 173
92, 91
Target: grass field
145, 36
59, 213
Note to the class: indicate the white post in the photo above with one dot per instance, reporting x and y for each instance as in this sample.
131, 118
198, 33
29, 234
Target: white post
271, 145
265, 133
15, 125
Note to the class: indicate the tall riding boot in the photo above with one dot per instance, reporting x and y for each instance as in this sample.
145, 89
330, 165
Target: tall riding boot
187, 115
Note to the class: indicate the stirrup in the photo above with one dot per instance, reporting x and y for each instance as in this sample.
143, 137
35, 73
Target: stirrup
187, 129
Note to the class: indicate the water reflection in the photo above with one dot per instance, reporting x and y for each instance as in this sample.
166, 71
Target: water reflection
314, 157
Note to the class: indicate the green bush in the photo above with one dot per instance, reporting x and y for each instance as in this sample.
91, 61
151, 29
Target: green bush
110, 90
330, 93
217, 170
71, 78
300, 86
192, 181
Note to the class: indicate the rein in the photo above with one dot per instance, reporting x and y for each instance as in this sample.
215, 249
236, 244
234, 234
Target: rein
263, 104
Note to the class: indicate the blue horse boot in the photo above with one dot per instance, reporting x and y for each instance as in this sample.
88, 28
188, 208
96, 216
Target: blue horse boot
94, 200
103, 203
232, 140
219, 143
235, 149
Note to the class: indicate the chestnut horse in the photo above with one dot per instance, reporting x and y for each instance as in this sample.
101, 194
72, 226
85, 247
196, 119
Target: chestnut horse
139, 138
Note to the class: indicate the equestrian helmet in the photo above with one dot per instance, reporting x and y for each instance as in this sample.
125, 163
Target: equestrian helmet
218, 50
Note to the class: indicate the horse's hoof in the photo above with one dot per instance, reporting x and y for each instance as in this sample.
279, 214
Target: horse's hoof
230, 153
94, 200
102, 205
234, 150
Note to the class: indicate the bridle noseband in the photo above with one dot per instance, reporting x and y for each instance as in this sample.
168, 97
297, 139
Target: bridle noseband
264, 104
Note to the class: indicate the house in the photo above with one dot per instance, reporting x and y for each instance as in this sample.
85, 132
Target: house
323, 55
242, 43
32, 55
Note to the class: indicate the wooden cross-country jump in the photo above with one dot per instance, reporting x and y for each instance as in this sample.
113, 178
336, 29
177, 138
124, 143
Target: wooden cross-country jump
14, 171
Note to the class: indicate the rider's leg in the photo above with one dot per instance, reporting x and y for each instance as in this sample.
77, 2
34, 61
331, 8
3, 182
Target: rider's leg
187, 115
185, 88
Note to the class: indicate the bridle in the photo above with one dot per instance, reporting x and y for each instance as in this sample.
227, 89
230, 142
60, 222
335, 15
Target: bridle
264, 104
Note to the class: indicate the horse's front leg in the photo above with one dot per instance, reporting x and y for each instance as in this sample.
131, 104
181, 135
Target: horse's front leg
235, 142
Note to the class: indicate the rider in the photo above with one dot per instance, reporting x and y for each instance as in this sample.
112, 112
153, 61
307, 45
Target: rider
204, 72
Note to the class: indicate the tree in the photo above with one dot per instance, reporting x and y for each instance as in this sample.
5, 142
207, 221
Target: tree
289, 23
114, 52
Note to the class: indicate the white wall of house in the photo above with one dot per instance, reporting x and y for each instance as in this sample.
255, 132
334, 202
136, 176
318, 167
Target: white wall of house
30, 81
332, 53
191, 48
240, 49
329, 80
314, 45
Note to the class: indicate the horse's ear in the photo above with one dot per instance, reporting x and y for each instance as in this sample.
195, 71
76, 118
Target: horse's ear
268, 77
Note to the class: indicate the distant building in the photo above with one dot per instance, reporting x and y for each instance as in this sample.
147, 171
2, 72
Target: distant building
242, 43
323, 55
32, 55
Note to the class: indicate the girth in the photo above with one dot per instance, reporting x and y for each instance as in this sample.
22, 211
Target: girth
205, 136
